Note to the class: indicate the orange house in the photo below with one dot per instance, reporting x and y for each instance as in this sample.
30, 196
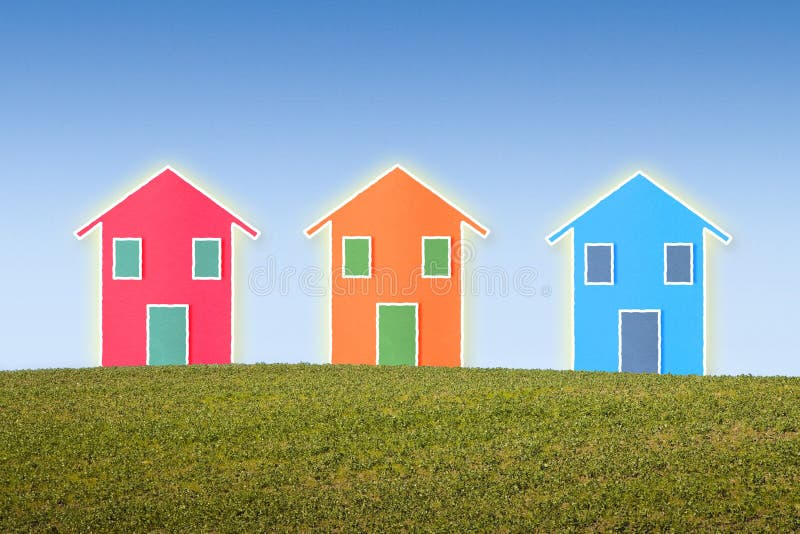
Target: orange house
397, 277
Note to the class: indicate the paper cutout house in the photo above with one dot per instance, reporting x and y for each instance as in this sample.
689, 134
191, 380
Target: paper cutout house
166, 275
396, 295
639, 281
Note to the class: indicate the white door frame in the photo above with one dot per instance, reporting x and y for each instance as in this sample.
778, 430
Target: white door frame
147, 326
378, 328
619, 334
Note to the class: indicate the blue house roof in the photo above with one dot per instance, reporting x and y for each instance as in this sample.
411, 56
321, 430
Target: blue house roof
637, 180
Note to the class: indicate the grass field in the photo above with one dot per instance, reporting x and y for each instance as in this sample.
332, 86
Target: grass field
301, 447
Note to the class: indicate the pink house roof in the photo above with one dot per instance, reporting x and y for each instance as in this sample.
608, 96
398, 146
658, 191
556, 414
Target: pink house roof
165, 173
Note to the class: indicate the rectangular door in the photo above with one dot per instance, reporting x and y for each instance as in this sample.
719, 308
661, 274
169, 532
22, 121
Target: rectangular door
168, 334
397, 334
640, 341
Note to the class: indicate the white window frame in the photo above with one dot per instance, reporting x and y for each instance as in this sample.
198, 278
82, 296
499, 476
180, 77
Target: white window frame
344, 256
378, 328
114, 258
449, 256
619, 335
219, 258
586, 281
147, 326
691, 265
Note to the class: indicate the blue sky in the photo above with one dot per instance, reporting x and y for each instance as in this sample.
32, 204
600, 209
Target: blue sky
520, 112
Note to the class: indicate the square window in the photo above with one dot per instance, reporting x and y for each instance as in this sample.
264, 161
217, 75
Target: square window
357, 261
127, 258
678, 263
436, 257
206, 258
599, 264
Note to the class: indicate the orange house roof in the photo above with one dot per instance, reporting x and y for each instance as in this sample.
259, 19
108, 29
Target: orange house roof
399, 173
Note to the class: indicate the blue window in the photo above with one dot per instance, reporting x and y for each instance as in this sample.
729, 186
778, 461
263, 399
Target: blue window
598, 264
678, 264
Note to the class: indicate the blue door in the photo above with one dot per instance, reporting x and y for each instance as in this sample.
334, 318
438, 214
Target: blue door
640, 341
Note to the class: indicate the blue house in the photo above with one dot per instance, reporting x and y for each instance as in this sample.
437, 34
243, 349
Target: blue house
638, 275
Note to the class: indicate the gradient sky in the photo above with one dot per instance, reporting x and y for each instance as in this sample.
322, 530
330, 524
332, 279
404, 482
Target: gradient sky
521, 112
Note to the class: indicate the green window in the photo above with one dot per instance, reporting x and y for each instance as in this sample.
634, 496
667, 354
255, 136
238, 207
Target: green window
357, 252
436, 257
167, 335
206, 259
397, 334
127, 258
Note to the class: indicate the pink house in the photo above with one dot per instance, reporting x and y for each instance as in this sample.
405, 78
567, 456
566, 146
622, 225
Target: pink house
166, 275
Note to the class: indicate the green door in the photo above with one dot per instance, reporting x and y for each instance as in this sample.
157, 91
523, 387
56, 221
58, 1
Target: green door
167, 335
397, 334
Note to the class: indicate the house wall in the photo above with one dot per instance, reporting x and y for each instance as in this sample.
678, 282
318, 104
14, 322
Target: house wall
639, 230
396, 214
396, 277
166, 228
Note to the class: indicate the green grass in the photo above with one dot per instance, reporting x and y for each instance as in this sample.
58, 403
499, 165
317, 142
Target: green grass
300, 447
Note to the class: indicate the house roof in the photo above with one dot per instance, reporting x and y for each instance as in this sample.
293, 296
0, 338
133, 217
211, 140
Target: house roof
468, 219
84, 230
565, 228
